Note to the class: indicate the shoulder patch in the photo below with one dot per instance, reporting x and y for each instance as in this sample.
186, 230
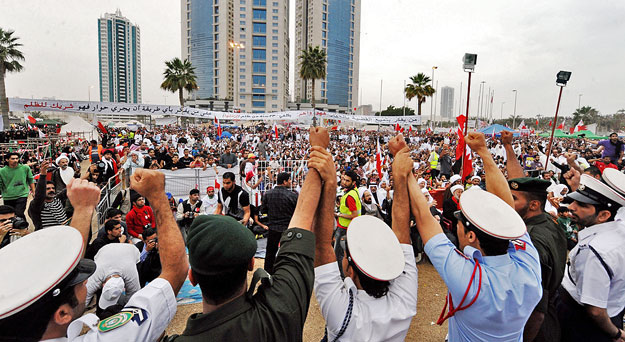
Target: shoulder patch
518, 245
139, 315
115, 321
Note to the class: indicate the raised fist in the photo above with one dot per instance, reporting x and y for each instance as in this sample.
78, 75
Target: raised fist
396, 144
476, 141
506, 137
148, 183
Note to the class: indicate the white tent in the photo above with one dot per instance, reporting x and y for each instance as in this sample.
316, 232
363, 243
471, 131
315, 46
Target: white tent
77, 124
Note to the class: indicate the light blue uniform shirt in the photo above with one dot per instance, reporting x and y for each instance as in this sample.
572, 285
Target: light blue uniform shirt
510, 289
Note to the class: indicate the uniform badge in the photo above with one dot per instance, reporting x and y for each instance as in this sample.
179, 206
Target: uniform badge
115, 321
139, 315
514, 185
519, 245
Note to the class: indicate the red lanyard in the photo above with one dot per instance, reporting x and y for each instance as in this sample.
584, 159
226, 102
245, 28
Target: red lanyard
452, 311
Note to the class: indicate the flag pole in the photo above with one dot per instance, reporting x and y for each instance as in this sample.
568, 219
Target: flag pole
553, 128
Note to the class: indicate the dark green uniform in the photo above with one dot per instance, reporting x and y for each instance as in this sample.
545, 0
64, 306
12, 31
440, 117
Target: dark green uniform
550, 242
276, 312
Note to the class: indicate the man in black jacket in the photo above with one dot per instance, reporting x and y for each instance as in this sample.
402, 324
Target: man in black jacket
47, 207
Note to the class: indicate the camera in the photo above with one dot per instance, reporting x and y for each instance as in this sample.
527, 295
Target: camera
149, 225
101, 167
19, 223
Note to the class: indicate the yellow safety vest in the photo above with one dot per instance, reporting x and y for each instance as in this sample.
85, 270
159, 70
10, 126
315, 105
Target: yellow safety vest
434, 162
344, 222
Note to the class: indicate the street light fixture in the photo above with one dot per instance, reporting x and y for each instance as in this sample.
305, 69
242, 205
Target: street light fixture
236, 46
561, 79
432, 100
468, 64
579, 102
514, 113
501, 112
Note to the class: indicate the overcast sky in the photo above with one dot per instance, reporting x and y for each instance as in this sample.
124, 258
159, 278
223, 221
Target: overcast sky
520, 45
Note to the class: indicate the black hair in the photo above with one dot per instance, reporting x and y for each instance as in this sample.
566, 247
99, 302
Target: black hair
6, 209
194, 191
31, 323
536, 196
593, 171
112, 212
50, 182
374, 288
229, 175
10, 154
148, 232
612, 209
353, 176
283, 177
489, 244
219, 288
110, 225
563, 209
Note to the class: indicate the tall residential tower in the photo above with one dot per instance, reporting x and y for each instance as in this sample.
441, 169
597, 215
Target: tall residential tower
447, 102
240, 51
333, 25
119, 49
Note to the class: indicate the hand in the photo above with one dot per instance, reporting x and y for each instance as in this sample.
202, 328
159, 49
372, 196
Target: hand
229, 166
319, 137
506, 137
396, 144
148, 183
402, 164
321, 160
83, 194
570, 157
43, 168
6, 227
476, 141
572, 177
150, 245
122, 238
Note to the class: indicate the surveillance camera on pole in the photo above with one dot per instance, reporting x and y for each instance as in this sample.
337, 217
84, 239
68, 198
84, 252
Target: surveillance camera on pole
561, 79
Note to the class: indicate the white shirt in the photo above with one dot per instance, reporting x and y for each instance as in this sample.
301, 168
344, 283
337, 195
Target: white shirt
157, 305
586, 279
115, 258
373, 319
209, 205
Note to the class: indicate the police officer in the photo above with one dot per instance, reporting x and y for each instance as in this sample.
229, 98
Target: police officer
221, 252
378, 297
592, 296
530, 195
44, 295
494, 279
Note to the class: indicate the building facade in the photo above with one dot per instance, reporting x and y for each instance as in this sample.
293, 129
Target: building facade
447, 102
334, 26
119, 49
240, 51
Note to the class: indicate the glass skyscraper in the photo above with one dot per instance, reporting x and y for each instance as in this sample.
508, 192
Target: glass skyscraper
119, 49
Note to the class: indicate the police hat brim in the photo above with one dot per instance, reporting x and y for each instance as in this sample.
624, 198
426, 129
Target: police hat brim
581, 198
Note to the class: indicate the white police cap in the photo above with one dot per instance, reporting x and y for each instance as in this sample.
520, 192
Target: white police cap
491, 214
38, 264
374, 248
615, 179
593, 191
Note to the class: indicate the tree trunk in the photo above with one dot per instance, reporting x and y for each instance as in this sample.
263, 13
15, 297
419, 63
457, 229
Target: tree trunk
4, 102
419, 103
313, 103
180, 97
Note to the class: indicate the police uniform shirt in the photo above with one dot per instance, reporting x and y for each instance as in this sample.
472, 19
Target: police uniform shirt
152, 308
372, 319
510, 288
587, 279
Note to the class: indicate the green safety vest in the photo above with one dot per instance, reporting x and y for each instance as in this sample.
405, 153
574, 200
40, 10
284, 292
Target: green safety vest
344, 222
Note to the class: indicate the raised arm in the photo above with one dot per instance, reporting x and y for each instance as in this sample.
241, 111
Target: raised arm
515, 170
323, 224
496, 183
84, 197
151, 185
402, 171
308, 199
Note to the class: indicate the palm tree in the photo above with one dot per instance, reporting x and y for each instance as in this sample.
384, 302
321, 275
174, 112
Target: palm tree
9, 62
179, 75
420, 89
313, 67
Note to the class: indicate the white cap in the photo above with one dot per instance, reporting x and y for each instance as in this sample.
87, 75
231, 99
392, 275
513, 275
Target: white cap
593, 191
112, 290
456, 187
44, 262
421, 180
62, 156
615, 179
476, 177
454, 178
491, 215
374, 248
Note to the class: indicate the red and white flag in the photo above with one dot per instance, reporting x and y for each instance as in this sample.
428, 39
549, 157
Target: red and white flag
217, 185
561, 126
275, 130
522, 125
467, 166
536, 122
580, 126
102, 128
378, 161
30, 119
218, 125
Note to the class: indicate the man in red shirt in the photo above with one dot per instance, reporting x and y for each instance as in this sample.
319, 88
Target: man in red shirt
604, 163
139, 217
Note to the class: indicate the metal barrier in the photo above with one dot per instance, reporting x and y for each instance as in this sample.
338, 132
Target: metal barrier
108, 194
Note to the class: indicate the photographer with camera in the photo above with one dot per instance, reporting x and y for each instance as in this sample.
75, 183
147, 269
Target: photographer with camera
92, 175
188, 210
11, 226
149, 266
47, 207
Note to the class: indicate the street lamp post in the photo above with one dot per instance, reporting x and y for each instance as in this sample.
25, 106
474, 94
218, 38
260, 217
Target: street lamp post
501, 112
579, 101
514, 113
432, 100
469, 62
89, 90
236, 46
